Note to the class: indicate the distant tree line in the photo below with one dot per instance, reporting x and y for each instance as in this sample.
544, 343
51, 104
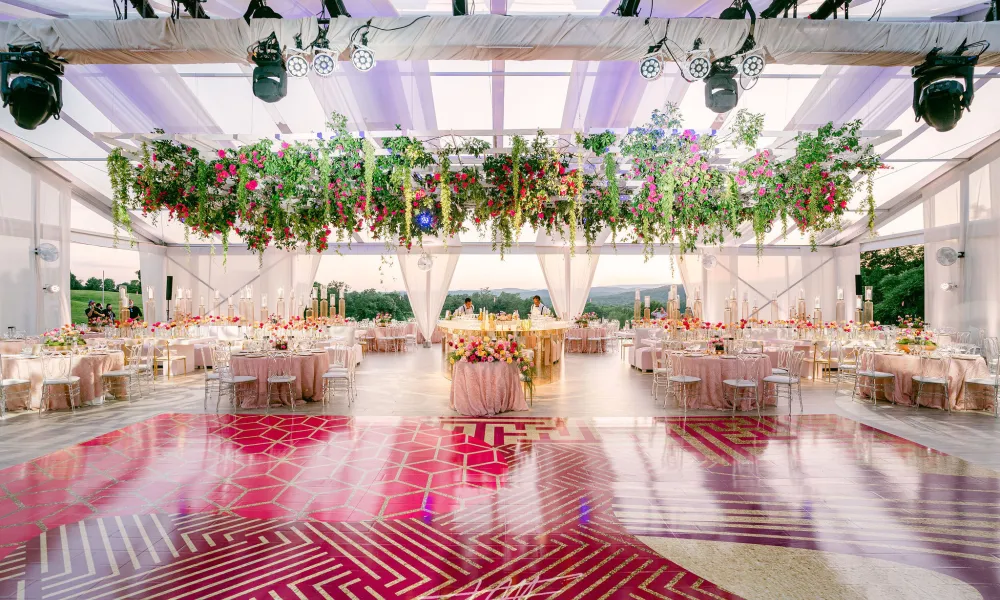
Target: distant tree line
97, 284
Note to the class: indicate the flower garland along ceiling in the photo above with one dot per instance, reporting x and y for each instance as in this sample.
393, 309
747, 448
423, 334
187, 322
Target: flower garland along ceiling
307, 194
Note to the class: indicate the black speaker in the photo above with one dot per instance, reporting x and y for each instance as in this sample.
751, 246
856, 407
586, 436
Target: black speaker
170, 288
458, 8
859, 286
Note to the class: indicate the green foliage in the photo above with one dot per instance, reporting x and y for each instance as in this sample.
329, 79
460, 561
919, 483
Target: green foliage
897, 278
302, 194
74, 283
494, 302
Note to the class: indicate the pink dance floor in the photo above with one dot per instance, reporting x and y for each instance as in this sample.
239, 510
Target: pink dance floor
247, 506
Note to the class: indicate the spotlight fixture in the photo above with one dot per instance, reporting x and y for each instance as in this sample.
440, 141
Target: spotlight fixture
829, 7
363, 57
708, 261
258, 9
336, 8
297, 65
324, 63
699, 66
939, 96
752, 64
780, 6
721, 89
270, 81
651, 66
51, 289
949, 287
31, 85
628, 8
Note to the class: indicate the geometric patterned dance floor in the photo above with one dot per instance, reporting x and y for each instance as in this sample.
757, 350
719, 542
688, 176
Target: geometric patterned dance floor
282, 507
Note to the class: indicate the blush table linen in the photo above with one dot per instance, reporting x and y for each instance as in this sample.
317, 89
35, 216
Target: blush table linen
307, 369
707, 394
588, 342
904, 367
482, 389
12, 347
88, 368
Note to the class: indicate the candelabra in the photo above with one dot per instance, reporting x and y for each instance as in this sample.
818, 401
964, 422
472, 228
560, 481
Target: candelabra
841, 310
869, 307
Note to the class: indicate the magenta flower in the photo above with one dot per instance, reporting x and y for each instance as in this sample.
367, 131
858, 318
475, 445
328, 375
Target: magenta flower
252, 185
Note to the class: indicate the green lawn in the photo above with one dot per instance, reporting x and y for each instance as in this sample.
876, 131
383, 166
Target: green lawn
79, 299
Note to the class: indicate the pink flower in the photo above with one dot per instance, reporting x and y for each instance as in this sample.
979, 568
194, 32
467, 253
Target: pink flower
222, 154
252, 185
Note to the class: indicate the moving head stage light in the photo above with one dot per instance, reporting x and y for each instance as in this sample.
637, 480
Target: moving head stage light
31, 85
270, 81
943, 86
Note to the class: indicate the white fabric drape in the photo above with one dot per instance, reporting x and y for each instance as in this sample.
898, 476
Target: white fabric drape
34, 209
427, 290
499, 37
568, 276
153, 273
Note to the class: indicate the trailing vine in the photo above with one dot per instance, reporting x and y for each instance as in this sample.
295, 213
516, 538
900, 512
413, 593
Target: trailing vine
299, 194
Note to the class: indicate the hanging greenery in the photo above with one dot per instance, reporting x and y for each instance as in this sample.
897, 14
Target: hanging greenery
299, 194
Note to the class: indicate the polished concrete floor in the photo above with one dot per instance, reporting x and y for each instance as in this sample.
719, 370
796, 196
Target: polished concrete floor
596, 492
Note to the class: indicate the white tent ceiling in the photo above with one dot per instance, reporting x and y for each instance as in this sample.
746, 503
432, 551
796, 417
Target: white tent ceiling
489, 95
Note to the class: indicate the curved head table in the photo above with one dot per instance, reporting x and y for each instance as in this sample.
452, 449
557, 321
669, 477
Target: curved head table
482, 389
589, 339
308, 370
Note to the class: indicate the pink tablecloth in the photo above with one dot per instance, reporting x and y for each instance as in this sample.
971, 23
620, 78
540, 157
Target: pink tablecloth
12, 346
904, 367
308, 372
483, 389
712, 370
585, 344
88, 368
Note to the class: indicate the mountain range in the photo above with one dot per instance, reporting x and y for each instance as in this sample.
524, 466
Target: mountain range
614, 295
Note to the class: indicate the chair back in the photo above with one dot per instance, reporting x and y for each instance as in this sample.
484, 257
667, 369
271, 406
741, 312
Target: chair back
866, 362
675, 361
279, 364
784, 352
846, 355
794, 364
963, 337
220, 358
933, 366
340, 355
748, 368
133, 353
57, 365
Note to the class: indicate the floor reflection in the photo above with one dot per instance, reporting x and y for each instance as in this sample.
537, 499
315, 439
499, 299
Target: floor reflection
301, 506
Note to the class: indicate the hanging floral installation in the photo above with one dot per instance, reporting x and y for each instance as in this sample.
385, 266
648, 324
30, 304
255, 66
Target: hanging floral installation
676, 190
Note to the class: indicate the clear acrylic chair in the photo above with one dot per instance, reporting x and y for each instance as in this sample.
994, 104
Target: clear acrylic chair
340, 375
784, 353
746, 386
868, 379
661, 374
847, 365
933, 378
679, 382
784, 385
984, 387
279, 373
230, 385
206, 352
13, 388
58, 367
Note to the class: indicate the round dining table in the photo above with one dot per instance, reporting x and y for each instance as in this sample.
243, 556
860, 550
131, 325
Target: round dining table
712, 370
88, 367
905, 366
587, 339
307, 367
483, 389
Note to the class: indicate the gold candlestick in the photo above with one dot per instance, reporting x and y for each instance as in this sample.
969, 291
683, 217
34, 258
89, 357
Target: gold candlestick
324, 308
869, 308
343, 306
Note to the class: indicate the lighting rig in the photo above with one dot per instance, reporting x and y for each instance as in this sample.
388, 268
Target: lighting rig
31, 85
943, 85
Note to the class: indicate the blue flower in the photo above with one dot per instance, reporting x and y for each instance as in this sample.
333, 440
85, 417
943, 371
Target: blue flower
426, 220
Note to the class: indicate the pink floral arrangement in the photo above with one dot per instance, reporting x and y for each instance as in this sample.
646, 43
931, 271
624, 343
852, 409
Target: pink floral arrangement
487, 350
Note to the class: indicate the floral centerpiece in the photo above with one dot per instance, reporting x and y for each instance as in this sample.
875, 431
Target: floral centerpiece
585, 319
911, 322
717, 345
64, 337
383, 319
279, 343
911, 340
487, 350
97, 322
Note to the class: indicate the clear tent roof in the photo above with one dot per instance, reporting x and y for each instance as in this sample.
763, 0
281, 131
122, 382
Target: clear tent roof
485, 95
